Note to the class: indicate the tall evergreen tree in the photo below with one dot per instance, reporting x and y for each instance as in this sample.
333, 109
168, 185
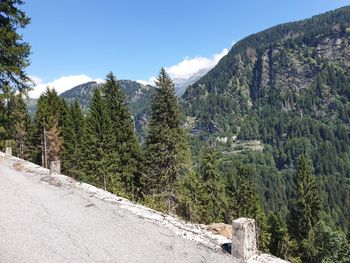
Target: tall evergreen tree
73, 141
213, 185
246, 203
21, 127
65, 125
99, 159
280, 244
192, 203
166, 149
14, 52
48, 126
125, 143
305, 205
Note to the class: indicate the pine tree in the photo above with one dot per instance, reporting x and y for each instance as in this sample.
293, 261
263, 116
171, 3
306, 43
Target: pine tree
73, 131
14, 52
305, 205
246, 203
99, 159
166, 149
125, 142
213, 185
192, 199
7, 107
65, 125
280, 241
21, 127
48, 120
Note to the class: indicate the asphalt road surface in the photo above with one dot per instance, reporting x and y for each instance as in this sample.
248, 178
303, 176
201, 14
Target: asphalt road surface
43, 222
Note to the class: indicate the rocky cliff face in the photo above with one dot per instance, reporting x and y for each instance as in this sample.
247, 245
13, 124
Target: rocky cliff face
270, 66
289, 88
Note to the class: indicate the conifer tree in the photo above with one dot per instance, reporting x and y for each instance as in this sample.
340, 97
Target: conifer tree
246, 203
279, 242
166, 149
73, 142
213, 185
48, 121
14, 52
21, 127
99, 159
125, 142
192, 203
305, 205
65, 125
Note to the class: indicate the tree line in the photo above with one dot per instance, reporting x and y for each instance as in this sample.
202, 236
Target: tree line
102, 149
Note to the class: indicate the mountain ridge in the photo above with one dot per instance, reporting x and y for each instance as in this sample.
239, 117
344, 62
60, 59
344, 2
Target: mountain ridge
287, 87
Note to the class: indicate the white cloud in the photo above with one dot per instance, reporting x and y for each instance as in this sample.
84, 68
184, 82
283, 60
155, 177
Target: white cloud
36, 80
150, 81
61, 84
189, 66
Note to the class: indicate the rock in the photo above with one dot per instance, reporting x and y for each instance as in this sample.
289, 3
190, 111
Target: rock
8, 151
221, 229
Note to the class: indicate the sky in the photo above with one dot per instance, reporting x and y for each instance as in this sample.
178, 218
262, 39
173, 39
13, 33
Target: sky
75, 41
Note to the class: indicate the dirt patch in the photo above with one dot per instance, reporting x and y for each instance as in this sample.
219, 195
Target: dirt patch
221, 229
51, 180
21, 168
18, 166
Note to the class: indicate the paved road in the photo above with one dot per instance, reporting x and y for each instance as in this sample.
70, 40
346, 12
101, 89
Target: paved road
41, 222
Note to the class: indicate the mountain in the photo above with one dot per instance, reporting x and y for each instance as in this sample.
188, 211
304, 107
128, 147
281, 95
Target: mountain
31, 105
287, 89
281, 60
181, 84
138, 95
138, 99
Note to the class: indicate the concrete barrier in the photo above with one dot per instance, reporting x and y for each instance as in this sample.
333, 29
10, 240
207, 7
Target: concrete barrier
243, 238
8, 151
55, 167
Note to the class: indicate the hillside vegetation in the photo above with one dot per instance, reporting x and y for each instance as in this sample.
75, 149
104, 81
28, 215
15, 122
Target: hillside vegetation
265, 135
288, 86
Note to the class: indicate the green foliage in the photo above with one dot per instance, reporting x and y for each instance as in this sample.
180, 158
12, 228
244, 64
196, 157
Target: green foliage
278, 87
281, 245
13, 61
166, 151
305, 205
49, 120
14, 52
137, 96
17, 129
99, 158
125, 141
324, 245
73, 131
192, 204
213, 186
275, 86
246, 203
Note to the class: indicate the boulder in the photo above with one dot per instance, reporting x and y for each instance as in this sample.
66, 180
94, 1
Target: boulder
221, 229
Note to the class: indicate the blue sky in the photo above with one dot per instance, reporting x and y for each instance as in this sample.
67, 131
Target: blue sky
135, 38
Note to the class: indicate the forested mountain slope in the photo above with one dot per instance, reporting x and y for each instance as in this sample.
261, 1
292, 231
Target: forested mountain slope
138, 98
289, 87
